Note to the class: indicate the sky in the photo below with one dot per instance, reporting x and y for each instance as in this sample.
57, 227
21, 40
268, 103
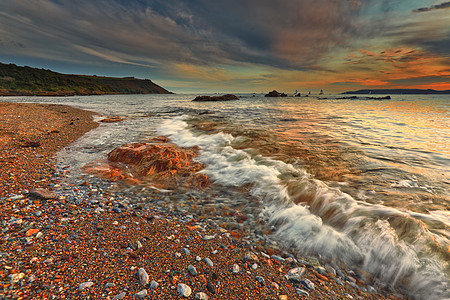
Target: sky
207, 46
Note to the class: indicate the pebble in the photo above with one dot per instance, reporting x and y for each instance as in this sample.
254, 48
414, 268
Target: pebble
251, 257
301, 292
141, 294
119, 296
210, 287
209, 237
255, 266
235, 268
84, 285
198, 258
295, 274
192, 270
138, 245
209, 262
184, 290
307, 283
278, 258
109, 284
186, 251
282, 297
260, 280
143, 277
154, 285
201, 296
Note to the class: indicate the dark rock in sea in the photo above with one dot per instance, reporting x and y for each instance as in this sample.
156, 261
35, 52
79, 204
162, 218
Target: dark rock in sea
226, 97
274, 93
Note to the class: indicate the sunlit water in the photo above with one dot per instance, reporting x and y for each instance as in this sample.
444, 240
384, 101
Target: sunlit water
363, 182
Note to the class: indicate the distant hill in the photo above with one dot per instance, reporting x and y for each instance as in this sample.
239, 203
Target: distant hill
27, 81
398, 91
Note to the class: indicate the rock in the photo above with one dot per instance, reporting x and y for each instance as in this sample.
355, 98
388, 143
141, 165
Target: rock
277, 258
255, 266
84, 285
186, 251
163, 164
307, 283
119, 296
201, 296
154, 285
30, 144
209, 262
109, 284
260, 280
184, 290
43, 194
282, 297
140, 295
111, 119
274, 93
138, 245
208, 237
250, 256
302, 293
295, 274
198, 258
192, 270
226, 97
210, 287
13, 278
235, 268
143, 277
275, 285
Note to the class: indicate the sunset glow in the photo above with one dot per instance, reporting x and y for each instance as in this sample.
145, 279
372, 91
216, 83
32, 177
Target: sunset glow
219, 46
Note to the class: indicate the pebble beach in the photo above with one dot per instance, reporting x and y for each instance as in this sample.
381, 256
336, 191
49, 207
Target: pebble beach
92, 241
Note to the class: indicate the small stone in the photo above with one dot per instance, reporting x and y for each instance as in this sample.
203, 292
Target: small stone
84, 285
255, 266
198, 258
214, 252
39, 234
109, 284
201, 296
295, 274
250, 256
119, 296
301, 292
43, 194
209, 237
13, 278
192, 270
209, 262
275, 285
177, 254
154, 285
210, 287
307, 283
260, 280
282, 297
278, 258
184, 290
235, 268
116, 210
138, 245
140, 295
143, 277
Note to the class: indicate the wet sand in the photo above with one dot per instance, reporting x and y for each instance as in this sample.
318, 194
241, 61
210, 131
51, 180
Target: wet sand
53, 248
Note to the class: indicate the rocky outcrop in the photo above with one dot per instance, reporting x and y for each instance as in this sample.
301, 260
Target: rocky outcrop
227, 97
160, 163
274, 93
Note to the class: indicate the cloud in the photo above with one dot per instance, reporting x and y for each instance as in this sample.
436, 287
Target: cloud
443, 5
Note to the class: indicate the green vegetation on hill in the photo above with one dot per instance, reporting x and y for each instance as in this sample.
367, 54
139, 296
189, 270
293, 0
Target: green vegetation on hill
16, 80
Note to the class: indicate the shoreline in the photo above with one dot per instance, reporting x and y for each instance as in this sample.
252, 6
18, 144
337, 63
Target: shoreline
81, 241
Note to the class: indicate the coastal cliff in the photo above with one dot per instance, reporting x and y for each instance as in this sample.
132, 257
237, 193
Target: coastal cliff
27, 81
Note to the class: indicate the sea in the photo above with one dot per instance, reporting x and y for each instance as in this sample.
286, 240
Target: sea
361, 182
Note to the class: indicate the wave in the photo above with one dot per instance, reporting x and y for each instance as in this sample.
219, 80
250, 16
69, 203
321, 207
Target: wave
395, 247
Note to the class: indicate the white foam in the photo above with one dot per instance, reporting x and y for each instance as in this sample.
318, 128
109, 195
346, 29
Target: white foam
313, 217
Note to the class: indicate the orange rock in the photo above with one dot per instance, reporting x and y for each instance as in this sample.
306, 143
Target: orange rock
31, 232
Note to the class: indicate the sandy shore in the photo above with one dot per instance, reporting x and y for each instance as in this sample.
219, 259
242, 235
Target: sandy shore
54, 248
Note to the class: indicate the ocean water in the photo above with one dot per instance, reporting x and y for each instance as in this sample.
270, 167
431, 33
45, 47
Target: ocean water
357, 181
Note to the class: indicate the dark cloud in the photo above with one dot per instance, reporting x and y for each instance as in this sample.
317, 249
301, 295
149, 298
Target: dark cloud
443, 5
285, 33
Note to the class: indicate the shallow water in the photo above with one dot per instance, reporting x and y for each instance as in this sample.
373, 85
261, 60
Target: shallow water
363, 182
